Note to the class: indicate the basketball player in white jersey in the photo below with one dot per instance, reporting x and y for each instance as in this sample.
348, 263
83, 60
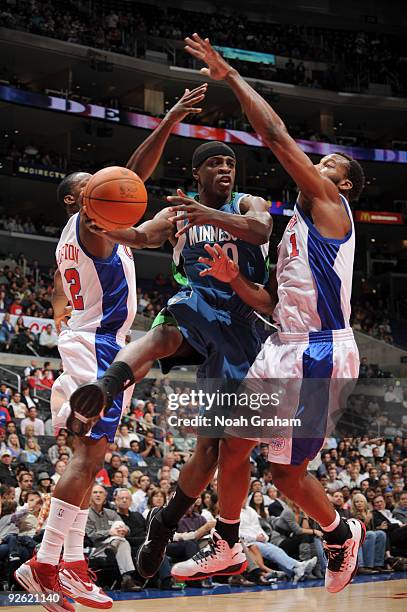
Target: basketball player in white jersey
96, 277
312, 309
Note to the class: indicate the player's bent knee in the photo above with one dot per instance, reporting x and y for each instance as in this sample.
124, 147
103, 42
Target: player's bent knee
167, 339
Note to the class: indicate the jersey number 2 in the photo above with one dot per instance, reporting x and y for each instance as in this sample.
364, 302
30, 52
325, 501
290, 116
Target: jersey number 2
294, 248
72, 278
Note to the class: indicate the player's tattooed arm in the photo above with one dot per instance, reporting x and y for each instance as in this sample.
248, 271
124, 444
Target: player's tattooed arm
260, 297
146, 157
60, 303
319, 193
254, 225
149, 235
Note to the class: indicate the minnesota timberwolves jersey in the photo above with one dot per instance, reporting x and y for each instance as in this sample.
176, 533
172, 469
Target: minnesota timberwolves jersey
314, 277
251, 259
102, 292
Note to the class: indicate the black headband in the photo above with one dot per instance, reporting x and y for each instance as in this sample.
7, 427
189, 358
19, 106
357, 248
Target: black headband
210, 149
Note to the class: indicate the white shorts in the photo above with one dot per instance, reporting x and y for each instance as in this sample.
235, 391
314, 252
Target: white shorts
325, 367
85, 357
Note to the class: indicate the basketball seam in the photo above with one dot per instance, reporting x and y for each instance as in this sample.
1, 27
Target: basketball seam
110, 200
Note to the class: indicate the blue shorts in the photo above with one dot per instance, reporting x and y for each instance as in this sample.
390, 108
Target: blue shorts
86, 356
226, 342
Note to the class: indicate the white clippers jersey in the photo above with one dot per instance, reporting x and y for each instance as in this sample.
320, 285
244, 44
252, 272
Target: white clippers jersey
314, 276
102, 292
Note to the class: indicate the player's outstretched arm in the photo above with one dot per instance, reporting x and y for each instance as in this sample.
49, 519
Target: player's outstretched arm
265, 121
146, 157
149, 235
254, 225
259, 297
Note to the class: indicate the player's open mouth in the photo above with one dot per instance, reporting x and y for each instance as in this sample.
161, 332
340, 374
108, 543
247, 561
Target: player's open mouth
225, 180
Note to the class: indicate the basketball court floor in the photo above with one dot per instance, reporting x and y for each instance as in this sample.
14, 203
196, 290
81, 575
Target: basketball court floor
373, 594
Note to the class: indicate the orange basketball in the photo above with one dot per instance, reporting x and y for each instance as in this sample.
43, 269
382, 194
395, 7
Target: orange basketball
115, 198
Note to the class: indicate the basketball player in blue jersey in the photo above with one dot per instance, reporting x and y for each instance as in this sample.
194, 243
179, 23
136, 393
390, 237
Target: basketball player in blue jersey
206, 323
96, 276
311, 309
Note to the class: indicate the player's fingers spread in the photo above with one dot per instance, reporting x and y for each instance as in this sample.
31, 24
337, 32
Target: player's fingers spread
210, 250
219, 250
184, 229
205, 260
194, 52
205, 272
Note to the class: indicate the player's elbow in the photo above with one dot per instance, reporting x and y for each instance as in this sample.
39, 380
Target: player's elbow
276, 133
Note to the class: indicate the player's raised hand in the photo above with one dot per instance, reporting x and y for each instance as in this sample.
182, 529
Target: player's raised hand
217, 67
220, 266
188, 209
187, 104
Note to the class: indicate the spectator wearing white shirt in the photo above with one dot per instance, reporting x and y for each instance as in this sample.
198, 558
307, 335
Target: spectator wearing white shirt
49, 340
354, 477
125, 437
32, 419
251, 533
366, 446
60, 468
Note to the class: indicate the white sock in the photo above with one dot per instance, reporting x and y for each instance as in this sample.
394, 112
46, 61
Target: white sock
333, 525
73, 544
60, 519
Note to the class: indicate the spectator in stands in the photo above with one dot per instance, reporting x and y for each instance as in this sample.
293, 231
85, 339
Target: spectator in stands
383, 519
134, 458
7, 330
25, 483
371, 557
13, 445
333, 483
139, 498
400, 510
19, 407
115, 463
125, 437
32, 450
44, 483
5, 416
149, 447
16, 308
48, 341
27, 400
117, 482
3, 444
262, 461
32, 419
251, 533
338, 501
105, 529
5, 391
23, 340
60, 446
60, 467
7, 472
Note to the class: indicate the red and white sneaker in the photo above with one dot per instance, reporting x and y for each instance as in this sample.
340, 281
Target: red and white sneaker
216, 559
343, 558
77, 581
42, 578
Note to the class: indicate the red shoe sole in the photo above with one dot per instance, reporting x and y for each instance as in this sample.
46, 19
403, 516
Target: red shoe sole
87, 602
191, 578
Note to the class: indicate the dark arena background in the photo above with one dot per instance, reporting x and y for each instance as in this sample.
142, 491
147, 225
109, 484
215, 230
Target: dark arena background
82, 85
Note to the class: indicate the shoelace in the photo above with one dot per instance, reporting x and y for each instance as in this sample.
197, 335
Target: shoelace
208, 551
337, 559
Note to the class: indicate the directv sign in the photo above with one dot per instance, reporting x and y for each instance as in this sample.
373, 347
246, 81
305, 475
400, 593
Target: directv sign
247, 56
